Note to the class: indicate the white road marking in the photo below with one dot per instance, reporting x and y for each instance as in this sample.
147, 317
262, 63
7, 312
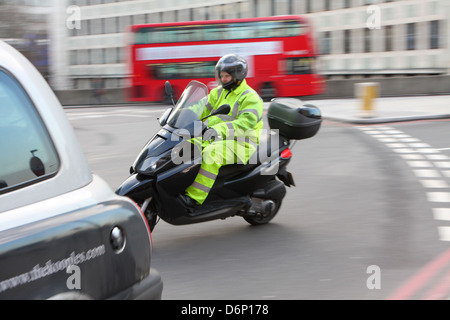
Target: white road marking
382, 136
412, 156
444, 233
420, 164
438, 196
396, 145
409, 140
441, 214
413, 151
437, 157
427, 150
445, 165
387, 140
419, 145
434, 184
404, 150
401, 136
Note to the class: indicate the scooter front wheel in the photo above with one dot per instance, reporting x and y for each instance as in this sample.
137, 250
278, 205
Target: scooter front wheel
152, 219
150, 215
263, 214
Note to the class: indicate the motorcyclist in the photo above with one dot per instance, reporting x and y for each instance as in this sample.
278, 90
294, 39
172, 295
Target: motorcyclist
232, 138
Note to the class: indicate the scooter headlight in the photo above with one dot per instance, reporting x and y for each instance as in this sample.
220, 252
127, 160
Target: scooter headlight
152, 165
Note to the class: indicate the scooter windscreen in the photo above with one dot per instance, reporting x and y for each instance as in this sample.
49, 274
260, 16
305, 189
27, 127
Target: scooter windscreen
190, 107
184, 122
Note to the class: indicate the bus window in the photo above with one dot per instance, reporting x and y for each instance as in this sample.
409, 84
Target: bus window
192, 70
210, 33
197, 34
235, 31
265, 29
169, 35
240, 31
216, 32
279, 29
170, 71
143, 36
140, 36
223, 32
248, 31
293, 28
299, 65
183, 35
156, 35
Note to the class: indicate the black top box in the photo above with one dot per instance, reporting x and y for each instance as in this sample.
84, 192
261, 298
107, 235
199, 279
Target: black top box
293, 119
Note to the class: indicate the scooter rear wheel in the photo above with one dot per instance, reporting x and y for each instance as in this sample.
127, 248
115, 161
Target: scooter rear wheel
260, 218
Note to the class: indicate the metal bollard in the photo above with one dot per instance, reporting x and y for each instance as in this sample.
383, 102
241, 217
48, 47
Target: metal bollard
367, 92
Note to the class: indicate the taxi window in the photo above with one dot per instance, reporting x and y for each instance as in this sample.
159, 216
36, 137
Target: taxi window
27, 154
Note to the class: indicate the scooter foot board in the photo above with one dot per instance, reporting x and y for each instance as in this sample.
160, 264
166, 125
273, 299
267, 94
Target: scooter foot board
217, 207
203, 215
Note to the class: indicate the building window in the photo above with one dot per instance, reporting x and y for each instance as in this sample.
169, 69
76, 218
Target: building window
73, 57
388, 38
325, 45
434, 35
367, 40
347, 41
411, 36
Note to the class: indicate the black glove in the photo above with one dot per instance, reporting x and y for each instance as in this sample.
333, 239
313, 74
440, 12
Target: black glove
210, 135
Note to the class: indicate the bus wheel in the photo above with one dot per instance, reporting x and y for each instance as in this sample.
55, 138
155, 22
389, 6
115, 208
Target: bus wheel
267, 92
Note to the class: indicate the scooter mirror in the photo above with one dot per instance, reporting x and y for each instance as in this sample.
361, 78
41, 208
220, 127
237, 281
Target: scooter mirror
169, 91
168, 88
223, 109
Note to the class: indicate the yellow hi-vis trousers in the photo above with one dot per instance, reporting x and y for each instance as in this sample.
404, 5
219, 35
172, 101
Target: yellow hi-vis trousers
214, 156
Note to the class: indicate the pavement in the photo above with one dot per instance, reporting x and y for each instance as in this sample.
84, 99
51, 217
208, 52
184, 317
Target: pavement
385, 110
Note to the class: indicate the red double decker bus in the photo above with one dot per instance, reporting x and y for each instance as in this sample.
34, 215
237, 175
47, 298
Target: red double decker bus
281, 53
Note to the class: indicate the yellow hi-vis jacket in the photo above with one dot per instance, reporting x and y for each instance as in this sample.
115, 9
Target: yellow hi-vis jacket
240, 132
245, 120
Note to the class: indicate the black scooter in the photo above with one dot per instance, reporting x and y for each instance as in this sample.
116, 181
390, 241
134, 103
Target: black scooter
169, 163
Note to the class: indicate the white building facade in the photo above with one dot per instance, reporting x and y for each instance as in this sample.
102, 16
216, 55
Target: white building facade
91, 45
357, 38
362, 38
